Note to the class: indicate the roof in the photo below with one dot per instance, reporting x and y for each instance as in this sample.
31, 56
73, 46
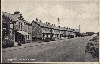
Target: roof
14, 17
46, 32
54, 27
62, 28
27, 22
22, 32
41, 24
70, 30
76, 30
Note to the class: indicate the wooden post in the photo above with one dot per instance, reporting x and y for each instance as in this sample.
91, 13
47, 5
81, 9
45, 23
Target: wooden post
59, 28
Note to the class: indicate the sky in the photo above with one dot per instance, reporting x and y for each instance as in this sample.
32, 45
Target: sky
71, 13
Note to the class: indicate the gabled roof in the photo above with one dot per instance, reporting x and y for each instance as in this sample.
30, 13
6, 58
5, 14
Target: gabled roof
46, 32
14, 17
76, 30
41, 24
27, 22
62, 28
54, 27
70, 30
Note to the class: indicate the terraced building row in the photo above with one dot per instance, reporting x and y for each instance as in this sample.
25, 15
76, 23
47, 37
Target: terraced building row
17, 29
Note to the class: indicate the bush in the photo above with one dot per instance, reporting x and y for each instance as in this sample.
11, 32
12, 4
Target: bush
7, 43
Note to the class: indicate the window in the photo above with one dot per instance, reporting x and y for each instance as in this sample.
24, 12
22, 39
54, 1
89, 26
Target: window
21, 25
28, 27
28, 36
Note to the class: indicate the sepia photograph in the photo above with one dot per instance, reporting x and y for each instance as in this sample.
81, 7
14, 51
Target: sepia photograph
36, 31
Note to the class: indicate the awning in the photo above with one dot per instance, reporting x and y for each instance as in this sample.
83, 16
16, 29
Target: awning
22, 32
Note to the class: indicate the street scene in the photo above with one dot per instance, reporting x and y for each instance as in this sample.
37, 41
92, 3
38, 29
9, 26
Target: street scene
54, 51
49, 33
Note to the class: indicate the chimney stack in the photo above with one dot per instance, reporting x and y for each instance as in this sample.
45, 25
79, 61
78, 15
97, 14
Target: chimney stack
59, 26
54, 24
36, 19
16, 12
40, 20
46, 22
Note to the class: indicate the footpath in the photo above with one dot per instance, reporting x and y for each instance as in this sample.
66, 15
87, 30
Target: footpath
31, 44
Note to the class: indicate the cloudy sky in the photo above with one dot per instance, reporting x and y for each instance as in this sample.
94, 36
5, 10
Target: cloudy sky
71, 13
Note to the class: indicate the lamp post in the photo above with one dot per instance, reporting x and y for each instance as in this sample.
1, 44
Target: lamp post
59, 28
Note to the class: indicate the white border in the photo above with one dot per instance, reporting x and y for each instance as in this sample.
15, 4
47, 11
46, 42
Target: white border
57, 62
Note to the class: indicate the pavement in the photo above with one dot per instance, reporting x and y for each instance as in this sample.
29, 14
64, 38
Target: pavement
67, 50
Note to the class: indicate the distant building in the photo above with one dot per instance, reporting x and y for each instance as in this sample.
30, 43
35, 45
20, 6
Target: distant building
90, 33
63, 32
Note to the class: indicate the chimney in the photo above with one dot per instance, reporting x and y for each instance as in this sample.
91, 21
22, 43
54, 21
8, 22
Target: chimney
58, 19
59, 26
40, 20
54, 24
46, 22
36, 19
16, 12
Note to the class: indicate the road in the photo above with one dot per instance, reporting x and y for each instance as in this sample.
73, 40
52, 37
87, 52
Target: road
67, 50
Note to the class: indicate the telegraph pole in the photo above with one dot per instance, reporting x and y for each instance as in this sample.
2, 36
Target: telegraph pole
59, 28
79, 28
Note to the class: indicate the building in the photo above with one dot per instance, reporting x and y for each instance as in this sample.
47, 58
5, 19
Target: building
36, 31
15, 28
28, 29
63, 32
76, 32
16, 25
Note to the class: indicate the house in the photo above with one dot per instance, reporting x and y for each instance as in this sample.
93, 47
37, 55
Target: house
63, 31
28, 29
71, 33
77, 32
36, 31
16, 26
44, 29
54, 31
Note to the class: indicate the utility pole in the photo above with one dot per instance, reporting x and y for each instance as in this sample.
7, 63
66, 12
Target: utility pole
79, 28
59, 28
